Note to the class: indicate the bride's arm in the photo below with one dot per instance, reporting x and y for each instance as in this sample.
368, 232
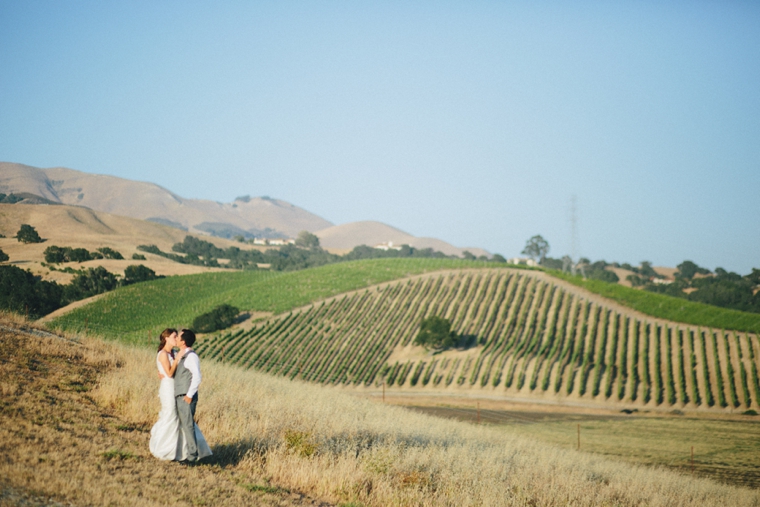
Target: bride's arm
163, 358
170, 369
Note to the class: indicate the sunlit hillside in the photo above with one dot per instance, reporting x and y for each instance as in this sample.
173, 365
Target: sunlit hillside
278, 442
533, 336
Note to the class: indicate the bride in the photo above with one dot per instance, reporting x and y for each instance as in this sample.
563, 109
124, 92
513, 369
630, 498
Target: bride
166, 442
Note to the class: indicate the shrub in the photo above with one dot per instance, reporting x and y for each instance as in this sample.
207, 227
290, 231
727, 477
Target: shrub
138, 257
79, 255
435, 333
110, 253
138, 273
28, 234
3, 256
221, 317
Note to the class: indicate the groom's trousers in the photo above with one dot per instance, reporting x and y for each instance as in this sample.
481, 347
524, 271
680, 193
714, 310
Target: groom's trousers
186, 414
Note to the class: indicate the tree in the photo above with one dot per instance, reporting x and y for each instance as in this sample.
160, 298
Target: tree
536, 248
138, 273
3, 256
22, 292
498, 258
687, 270
468, 255
91, 282
647, 271
55, 254
110, 253
28, 234
306, 239
435, 333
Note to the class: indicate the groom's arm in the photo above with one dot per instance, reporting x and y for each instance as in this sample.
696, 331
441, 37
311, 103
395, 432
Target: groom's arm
193, 364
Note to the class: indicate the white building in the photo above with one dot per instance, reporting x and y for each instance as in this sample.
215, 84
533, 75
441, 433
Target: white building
387, 246
522, 261
274, 241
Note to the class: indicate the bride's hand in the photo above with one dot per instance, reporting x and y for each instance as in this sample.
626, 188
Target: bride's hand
179, 354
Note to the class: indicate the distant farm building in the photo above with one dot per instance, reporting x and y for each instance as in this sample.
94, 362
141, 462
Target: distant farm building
523, 261
273, 242
388, 246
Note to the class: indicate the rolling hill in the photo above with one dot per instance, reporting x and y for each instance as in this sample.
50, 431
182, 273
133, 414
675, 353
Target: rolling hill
539, 337
80, 227
148, 201
347, 236
246, 216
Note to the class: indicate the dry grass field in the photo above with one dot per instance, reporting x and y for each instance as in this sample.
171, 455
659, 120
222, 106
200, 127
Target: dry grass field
726, 447
75, 420
84, 228
59, 446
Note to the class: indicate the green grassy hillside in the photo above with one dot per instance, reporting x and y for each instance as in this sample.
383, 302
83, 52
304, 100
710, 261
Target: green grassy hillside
668, 307
137, 313
539, 339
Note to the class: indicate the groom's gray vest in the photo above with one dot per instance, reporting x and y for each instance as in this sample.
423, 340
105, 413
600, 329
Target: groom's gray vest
182, 378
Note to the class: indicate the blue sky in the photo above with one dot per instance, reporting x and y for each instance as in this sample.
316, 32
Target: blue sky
474, 122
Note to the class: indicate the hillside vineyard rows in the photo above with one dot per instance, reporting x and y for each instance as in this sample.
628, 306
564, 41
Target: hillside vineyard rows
536, 337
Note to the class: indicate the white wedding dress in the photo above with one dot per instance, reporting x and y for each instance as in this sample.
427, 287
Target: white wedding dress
166, 440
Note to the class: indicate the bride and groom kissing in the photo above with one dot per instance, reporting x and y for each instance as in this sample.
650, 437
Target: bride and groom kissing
176, 436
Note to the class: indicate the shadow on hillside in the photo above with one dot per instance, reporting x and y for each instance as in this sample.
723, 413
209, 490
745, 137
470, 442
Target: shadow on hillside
242, 317
232, 454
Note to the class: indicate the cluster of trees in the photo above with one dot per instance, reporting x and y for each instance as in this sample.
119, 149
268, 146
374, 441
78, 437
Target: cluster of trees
56, 254
305, 253
10, 198
23, 292
221, 317
721, 288
584, 267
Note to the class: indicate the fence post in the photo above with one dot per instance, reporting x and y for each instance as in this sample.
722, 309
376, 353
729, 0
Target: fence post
478, 412
383, 391
692, 459
579, 436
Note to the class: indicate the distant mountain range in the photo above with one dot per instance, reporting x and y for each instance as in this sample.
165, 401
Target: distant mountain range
246, 216
347, 236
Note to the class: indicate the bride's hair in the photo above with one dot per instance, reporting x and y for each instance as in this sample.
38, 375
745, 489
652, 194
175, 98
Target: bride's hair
166, 333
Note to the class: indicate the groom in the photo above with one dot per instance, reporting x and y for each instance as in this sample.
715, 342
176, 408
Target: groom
187, 378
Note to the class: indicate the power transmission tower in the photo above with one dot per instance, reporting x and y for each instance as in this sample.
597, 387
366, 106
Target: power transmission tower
573, 227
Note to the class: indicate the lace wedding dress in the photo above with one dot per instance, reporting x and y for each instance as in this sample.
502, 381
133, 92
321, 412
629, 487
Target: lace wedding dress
166, 440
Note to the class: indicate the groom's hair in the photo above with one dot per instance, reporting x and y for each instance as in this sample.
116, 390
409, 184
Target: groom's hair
187, 336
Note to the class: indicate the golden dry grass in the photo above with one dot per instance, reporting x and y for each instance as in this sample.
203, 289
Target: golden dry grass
343, 449
84, 228
75, 420
58, 446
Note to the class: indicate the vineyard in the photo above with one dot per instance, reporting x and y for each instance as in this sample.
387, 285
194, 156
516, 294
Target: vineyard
535, 336
137, 313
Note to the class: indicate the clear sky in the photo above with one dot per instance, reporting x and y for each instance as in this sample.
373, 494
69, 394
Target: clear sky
474, 122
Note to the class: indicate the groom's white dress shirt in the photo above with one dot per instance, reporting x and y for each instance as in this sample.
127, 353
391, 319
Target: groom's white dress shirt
193, 364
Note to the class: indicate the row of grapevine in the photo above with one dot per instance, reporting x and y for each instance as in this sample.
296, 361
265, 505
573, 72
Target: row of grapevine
536, 336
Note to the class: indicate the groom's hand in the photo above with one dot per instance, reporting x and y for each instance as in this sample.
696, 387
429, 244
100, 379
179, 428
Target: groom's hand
188, 400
